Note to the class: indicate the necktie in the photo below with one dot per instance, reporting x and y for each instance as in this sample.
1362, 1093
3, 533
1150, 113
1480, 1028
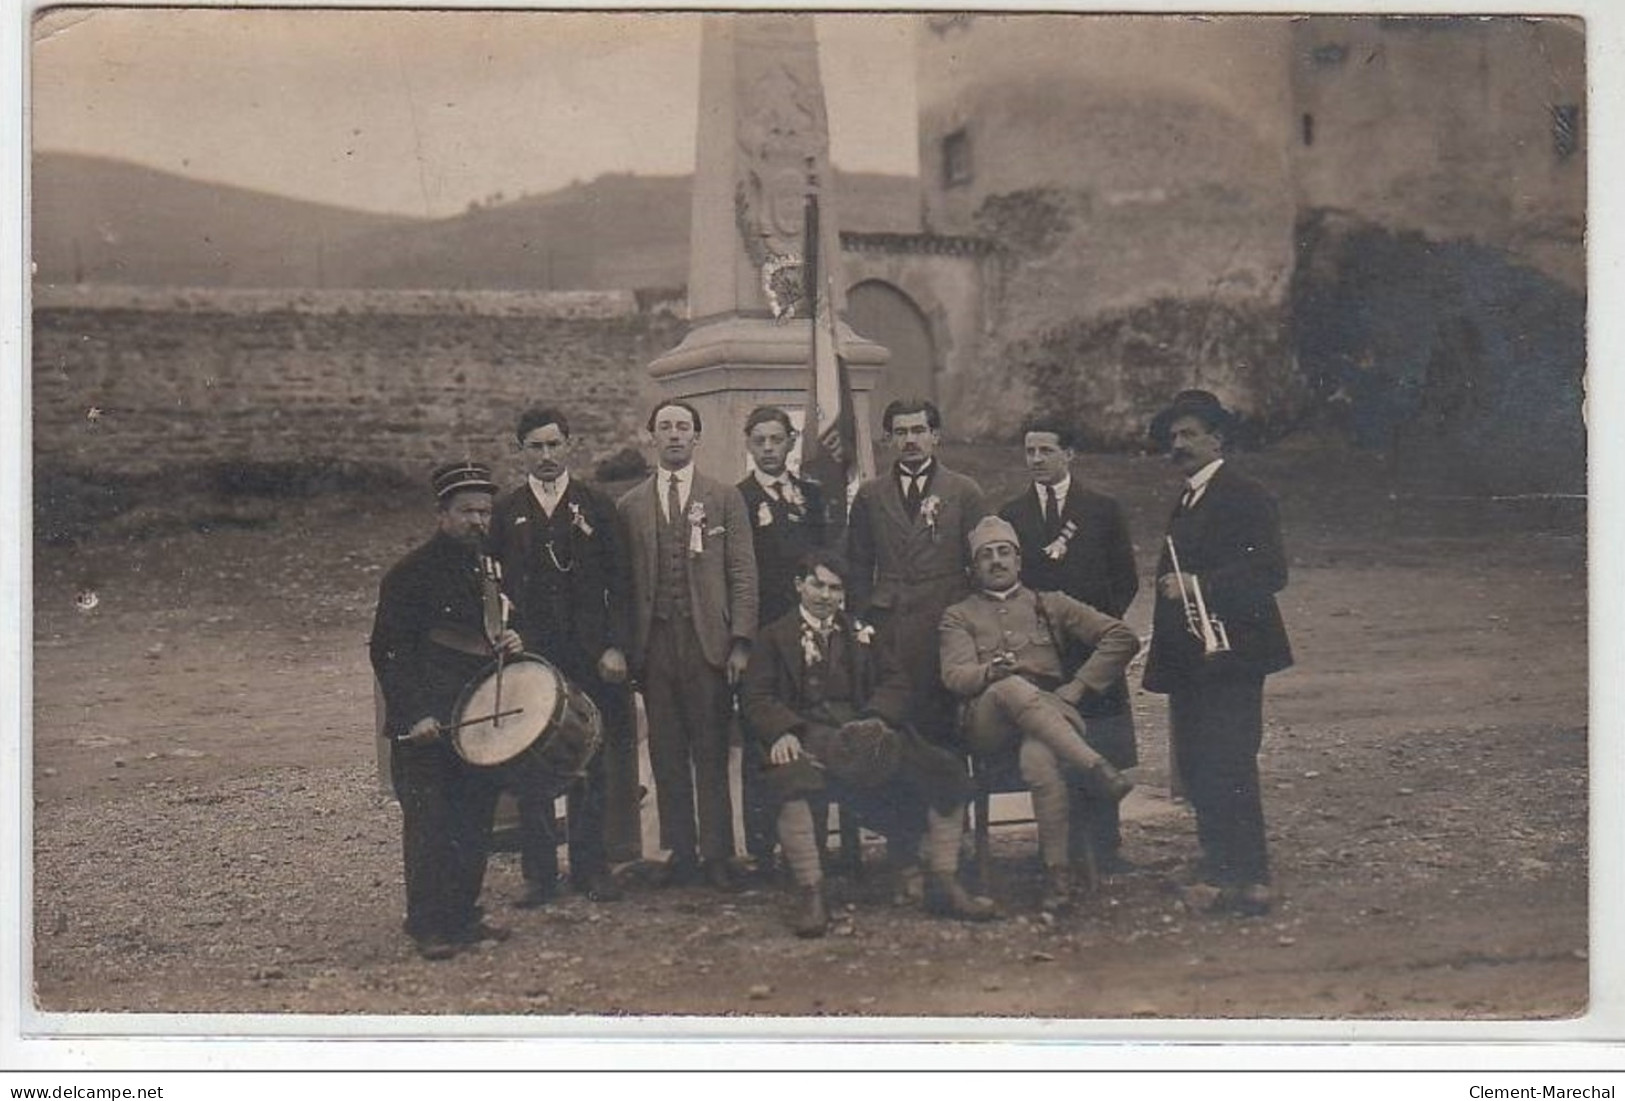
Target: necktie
674, 504
1052, 513
911, 492
775, 489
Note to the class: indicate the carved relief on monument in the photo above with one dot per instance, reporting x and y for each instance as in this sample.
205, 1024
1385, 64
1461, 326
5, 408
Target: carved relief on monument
782, 143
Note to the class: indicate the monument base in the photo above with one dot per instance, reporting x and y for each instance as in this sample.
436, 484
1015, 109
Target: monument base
729, 366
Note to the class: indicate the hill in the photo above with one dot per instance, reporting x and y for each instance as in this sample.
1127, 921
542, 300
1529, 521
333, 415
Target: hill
101, 221
107, 221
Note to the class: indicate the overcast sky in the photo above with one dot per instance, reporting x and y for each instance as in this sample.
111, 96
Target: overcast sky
422, 112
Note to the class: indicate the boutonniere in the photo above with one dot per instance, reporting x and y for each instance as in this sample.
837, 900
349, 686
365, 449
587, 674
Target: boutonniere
929, 508
864, 633
764, 515
1057, 550
696, 528
578, 520
810, 650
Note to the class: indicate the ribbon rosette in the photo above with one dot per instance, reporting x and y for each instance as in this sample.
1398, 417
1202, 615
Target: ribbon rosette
793, 498
863, 632
1057, 550
578, 520
809, 646
764, 515
696, 528
928, 512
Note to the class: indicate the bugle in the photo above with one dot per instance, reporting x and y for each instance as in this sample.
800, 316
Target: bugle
1198, 620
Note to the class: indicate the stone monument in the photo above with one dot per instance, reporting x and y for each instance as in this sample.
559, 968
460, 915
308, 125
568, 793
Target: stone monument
763, 142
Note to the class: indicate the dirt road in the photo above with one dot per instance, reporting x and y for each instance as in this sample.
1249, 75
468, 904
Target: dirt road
208, 834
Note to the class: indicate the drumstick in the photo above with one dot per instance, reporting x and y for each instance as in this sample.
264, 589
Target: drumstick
491, 718
497, 705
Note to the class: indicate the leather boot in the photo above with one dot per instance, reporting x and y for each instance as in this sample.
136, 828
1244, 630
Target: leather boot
945, 897
1057, 896
1107, 783
812, 914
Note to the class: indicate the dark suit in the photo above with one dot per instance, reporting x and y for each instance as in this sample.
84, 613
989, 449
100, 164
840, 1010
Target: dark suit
569, 578
1231, 540
783, 531
1097, 567
693, 596
784, 693
906, 569
446, 806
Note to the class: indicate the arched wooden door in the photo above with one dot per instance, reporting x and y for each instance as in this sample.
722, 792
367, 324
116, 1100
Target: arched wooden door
882, 313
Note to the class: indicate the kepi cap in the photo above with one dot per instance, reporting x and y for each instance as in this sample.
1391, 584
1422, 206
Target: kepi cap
454, 477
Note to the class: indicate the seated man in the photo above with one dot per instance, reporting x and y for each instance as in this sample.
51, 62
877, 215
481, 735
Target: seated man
1001, 653
828, 708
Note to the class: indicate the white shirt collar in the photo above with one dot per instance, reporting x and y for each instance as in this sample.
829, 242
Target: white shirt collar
767, 481
817, 625
925, 469
538, 488
685, 483
1061, 488
1198, 482
1008, 594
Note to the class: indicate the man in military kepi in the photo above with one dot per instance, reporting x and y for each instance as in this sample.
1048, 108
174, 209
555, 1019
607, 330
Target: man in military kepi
430, 638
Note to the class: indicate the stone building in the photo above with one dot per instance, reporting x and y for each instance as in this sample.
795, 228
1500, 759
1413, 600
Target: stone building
1379, 219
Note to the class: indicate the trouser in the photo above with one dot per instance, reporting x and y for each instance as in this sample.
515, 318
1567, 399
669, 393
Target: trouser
1015, 711
587, 803
799, 840
1217, 725
446, 811
1112, 736
689, 707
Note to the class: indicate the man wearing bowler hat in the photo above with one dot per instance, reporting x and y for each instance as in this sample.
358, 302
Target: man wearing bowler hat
431, 638
1216, 634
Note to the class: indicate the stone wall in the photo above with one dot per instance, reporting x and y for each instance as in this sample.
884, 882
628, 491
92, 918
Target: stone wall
195, 377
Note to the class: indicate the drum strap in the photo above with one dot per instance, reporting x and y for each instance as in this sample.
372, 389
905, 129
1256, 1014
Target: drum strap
456, 636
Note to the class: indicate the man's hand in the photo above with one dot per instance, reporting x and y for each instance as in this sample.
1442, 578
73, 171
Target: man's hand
612, 666
1071, 693
1169, 584
509, 642
424, 731
785, 750
738, 658
1000, 667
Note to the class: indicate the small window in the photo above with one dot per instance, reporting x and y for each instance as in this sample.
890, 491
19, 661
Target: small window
1308, 128
1565, 130
956, 167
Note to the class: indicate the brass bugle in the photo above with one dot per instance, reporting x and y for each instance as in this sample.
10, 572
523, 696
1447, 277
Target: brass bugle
1198, 620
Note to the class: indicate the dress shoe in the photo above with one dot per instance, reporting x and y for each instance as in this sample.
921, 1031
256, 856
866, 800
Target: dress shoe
435, 948
1057, 895
946, 897
812, 914
538, 892
481, 930
1116, 864
1253, 900
599, 886
717, 875
679, 871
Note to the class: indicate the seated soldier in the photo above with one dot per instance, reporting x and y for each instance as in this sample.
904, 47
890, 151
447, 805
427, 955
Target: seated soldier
1001, 653
829, 707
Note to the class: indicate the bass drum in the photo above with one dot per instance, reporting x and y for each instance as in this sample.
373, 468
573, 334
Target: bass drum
543, 729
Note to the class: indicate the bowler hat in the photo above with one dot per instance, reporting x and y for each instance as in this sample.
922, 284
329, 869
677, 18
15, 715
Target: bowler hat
455, 477
1192, 403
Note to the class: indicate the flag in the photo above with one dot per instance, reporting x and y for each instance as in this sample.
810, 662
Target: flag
829, 433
